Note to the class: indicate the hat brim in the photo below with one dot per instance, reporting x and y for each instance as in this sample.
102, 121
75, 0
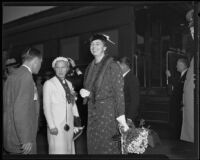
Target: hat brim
13, 65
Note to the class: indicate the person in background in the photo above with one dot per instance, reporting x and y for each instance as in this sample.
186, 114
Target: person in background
75, 76
59, 102
21, 106
39, 86
47, 75
176, 99
11, 66
187, 132
103, 92
131, 89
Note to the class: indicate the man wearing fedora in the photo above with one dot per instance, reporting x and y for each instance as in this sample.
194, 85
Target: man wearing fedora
10, 67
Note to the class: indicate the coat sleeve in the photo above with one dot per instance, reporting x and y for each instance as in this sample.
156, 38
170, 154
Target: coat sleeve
23, 110
118, 88
47, 90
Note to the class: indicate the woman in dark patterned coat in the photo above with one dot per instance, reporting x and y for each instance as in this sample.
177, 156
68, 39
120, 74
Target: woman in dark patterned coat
103, 91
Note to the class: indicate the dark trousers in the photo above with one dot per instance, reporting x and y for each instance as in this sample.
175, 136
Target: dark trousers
179, 124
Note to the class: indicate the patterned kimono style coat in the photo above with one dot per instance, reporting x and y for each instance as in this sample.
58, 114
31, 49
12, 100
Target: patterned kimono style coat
102, 114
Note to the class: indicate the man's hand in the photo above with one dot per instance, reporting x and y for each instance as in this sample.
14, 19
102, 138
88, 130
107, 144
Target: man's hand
84, 93
168, 73
72, 62
54, 131
26, 148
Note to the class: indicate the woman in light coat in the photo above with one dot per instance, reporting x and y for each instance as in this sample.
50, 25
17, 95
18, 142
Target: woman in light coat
60, 109
187, 133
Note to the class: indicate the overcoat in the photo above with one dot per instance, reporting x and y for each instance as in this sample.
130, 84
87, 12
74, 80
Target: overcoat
57, 111
131, 95
187, 133
107, 105
21, 110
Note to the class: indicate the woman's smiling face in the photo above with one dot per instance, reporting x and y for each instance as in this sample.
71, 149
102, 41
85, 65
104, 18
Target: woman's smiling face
97, 47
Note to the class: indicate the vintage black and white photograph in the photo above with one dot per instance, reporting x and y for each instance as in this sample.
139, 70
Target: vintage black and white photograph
106, 80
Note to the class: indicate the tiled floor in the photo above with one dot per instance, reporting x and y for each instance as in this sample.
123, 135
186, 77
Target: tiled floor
173, 149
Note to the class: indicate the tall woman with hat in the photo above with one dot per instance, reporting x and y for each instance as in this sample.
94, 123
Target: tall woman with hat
60, 109
103, 91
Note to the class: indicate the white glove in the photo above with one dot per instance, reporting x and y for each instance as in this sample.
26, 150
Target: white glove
122, 122
78, 71
76, 129
84, 93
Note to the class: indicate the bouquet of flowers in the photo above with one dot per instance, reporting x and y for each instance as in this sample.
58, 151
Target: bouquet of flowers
136, 140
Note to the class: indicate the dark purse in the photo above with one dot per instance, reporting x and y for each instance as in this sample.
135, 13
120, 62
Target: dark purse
77, 121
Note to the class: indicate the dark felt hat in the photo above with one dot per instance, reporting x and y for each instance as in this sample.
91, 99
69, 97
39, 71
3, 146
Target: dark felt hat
12, 63
189, 17
98, 36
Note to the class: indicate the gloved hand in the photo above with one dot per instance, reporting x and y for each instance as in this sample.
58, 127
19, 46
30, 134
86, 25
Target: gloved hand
84, 93
122, 123
54, 131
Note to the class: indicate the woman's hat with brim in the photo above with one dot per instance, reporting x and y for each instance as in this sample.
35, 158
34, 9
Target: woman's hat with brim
59, 59
102, 37
99, 37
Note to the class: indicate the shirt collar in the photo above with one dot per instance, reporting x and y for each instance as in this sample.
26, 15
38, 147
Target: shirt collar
27, 68
182, 73
126, 73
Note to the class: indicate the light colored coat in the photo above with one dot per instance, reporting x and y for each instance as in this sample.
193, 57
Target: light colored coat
187, 132
55, 105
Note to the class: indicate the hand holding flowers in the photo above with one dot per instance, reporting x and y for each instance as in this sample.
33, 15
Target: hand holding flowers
135, 140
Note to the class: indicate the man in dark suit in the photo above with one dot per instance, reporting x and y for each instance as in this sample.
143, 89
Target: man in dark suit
76, 77
176, 99
21, 106
131, 89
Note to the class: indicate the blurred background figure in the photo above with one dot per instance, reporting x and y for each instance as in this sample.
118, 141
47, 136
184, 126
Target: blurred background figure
39, 85
75, 76
11, 66
190, 44
131, 89
176, 99
47, 75
187, 133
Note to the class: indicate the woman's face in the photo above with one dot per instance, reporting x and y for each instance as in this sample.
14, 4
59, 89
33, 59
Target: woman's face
97, 47
61, 68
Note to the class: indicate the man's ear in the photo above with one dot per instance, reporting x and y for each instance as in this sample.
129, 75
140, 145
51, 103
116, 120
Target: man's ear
105, 48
